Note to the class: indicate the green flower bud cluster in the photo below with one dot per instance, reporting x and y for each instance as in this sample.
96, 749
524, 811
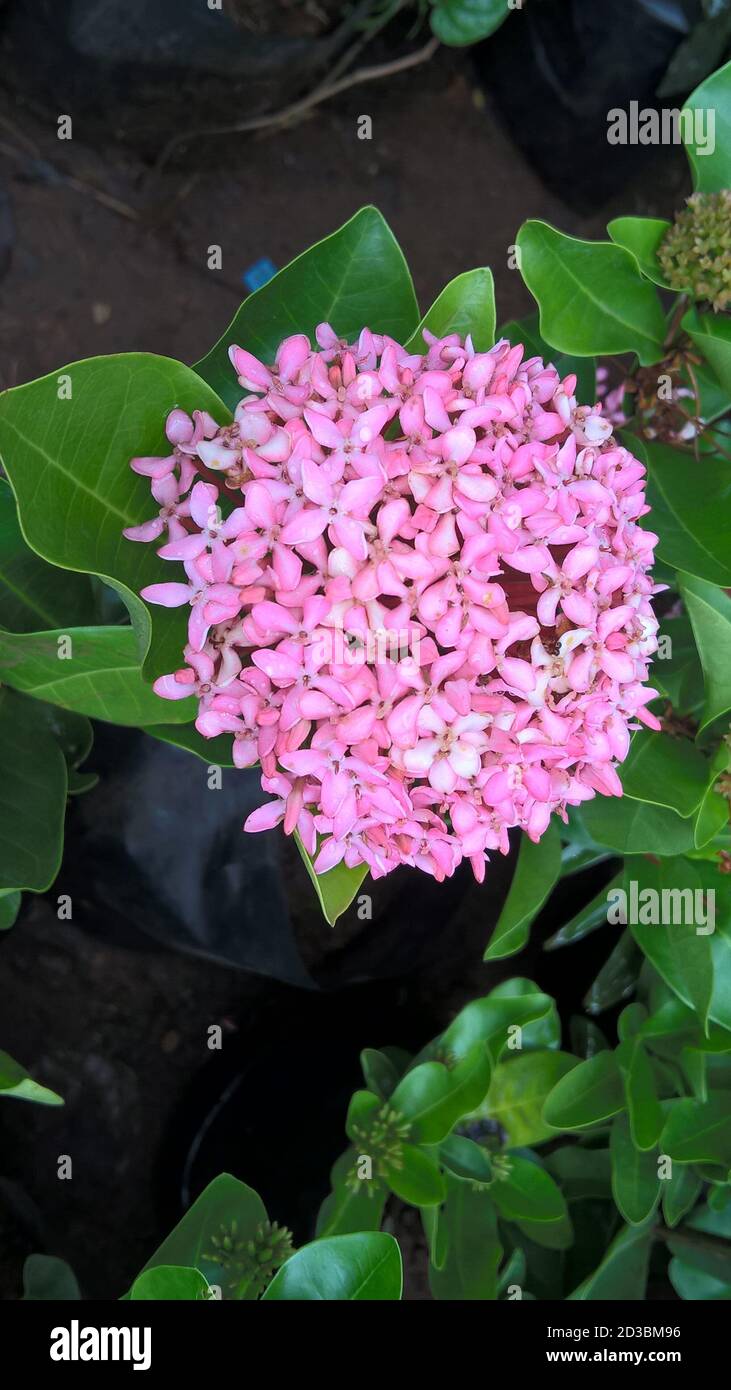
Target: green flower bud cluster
695, 254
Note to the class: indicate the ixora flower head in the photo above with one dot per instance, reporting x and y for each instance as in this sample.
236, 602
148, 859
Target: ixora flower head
695, 253
419, 594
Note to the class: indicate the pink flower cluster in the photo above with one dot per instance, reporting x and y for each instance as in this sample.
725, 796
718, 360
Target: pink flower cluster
459, 502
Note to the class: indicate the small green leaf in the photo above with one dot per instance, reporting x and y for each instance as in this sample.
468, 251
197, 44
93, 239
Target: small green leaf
527, 332
416, 1178
15, 1082
465, 305
462, 22
353, 279
433, 1097
699, 1131
364, 1267
348, 1208
468, 1244
617, 978
336, 888
711, 160
227, 1209
635, 1181
622, 1274
709, 609
591, 296
517, 1094
637, 827
588, 919
170, 1282
528, 1193
680, 1193
536, 873
589, 1094
645, 1113
641, 236
678, 949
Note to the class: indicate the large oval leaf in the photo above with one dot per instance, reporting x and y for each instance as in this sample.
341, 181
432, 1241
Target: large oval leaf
591, 1093
635, 1181
711, 168
641, 236
591, 296
364, 1267
665, 771
33, 594
356, 278
69, 457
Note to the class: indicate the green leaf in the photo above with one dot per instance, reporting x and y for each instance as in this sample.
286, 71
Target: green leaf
712, 1257
591, 297
416, 1178
637, 827
693, 1284
664, 771
33, 783
465, 305
490, 1020
712, 171
100, 677
622, 1274
35, 595
581, 1173
10, 901
461, 22
676, 670
645, 1113
536, 873
641, 236
226, 1207
635, 1181
15, 1082
589, 1094
680, 1193
692, 522
218, 751
518, 1092
678, 950
49, 1279
588, 919
170, 1282
466, 1159
528, 1193
469, 1245
617, 978
70, 458
364, 1267
526, 331
379, 1073
709, 609
699, 1131
433, 1097
355, 278
336, 888
349, 1209
711, 334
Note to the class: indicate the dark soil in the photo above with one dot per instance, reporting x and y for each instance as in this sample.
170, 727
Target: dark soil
120, 1029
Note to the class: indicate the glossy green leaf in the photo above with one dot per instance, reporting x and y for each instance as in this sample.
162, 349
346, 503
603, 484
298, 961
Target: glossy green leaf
466, 1159
664, 771
518, 1092
379, 1073
692, 522
693, 1284
711, 1256
552, 1235
33, 782
170, 1282
641, 236
70, 458
100, 677
434, 1097
528, 1193
699, 1131
711, 334
349, 1208
469, 1245
712, 817
465, 305
461, 22
678, 945
526, 331
353, 279
416, 1178
490, 1020
709, 609
637, 827
712, 169
536, 873
364, 1267
227, 1207
680, 1192
591, 296
336, 888
676, 670
622, 1274
644, 1111
635, 1181
33, 594
48, 1279
16, 1083
589, 1094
